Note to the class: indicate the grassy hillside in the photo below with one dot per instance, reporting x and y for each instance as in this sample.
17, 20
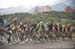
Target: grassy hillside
53, 16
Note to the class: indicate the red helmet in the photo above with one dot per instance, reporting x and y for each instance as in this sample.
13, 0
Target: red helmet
14, 19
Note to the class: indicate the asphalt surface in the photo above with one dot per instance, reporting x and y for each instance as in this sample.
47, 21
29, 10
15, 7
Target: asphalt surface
60, 44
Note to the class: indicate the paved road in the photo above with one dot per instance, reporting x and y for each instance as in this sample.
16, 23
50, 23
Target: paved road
67, 44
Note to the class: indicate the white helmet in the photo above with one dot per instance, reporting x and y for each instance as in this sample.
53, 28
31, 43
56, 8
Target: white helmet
41, 22
68, 24
63, 25
21, 23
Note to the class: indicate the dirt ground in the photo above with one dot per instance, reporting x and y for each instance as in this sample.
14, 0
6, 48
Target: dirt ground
60, 44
